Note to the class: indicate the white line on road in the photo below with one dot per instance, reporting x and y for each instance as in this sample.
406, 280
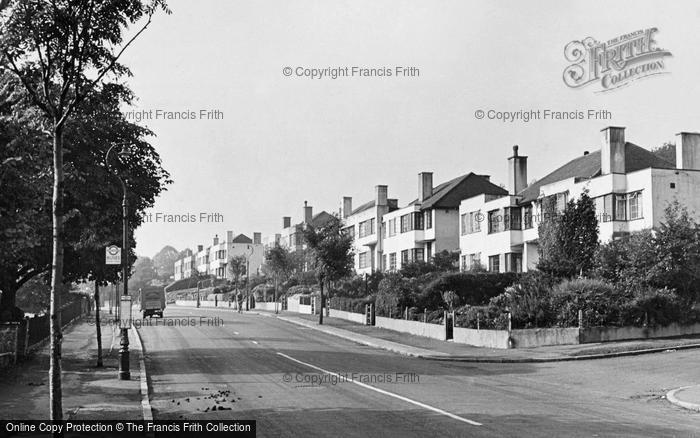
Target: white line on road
390, 394
236, 333
254, 342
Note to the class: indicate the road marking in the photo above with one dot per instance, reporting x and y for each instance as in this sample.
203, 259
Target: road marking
254, 342
390, 394
236, 333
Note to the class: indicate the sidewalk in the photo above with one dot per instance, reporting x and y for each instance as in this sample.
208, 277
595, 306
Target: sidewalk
427, 348
687, 397
89, 393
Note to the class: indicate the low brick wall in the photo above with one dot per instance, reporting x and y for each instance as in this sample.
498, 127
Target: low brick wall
539, 337
359, 318
481, 338
434, 331
270, 307
610, 334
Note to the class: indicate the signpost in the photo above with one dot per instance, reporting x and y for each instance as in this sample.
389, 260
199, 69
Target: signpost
113, 255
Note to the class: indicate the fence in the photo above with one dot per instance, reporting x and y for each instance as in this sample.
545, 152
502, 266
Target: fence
18, 339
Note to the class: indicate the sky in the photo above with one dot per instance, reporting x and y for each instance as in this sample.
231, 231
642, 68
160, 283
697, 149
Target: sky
281, 140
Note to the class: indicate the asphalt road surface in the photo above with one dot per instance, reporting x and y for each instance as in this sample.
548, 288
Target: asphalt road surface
295, 381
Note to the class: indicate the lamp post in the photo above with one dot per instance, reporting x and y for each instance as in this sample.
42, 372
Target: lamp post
124, 372
247, 277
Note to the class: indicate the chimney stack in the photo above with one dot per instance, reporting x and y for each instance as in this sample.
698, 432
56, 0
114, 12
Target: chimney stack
688, 150
347, 206
200, 248
517, 172
216, 239
612, 151
308, 213
425, 185
286, 222
257, 238
381, 193
229, 236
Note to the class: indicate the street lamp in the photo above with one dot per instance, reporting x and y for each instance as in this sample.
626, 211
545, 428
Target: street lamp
124, 373
247, 277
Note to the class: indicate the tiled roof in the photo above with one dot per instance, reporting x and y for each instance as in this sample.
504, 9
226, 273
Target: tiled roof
588, 166
242, 238
363, 207
451, 193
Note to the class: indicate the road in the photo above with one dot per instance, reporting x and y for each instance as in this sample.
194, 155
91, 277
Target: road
258, 367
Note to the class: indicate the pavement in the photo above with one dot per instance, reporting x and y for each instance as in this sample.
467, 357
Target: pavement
296, 381
89, 393
427, 348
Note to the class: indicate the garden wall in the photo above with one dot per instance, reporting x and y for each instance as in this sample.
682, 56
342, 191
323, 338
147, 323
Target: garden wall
434, 331
350, 316
609, 334
539, 337
481, 338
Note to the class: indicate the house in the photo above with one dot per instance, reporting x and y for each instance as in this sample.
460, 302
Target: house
630, 186
364, 225
430, 224
214, 259
292, 236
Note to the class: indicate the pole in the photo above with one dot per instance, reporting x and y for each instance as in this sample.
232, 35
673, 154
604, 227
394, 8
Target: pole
124, 372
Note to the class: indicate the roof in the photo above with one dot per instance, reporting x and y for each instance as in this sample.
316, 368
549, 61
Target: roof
588, 166
363, 207
318, 220
452, 192
242, 238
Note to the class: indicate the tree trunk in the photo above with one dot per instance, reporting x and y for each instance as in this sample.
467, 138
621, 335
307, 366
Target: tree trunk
55, 393
320, 314
98, 328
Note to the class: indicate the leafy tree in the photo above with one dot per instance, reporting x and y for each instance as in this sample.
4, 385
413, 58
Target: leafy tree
237, 269
568, 241
451, 299
61, 52
446, 261
331, 253
164, 262
667, 152
280, 263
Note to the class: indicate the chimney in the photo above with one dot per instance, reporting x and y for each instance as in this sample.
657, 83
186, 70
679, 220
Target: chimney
200, 248
286, 222
216, 239
425, 185
486, 177
257, 238
229, 236
381, 193
688, 150
308, 213
517, 172
347, 206
393, 203
612, 151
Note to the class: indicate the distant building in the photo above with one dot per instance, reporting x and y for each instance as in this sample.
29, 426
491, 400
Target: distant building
214, 259
631, 188
291, 236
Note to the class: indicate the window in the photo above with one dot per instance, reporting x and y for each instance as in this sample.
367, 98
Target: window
428, 216
404, 257
364, 260
527, 217
463, 224
367, 228
391, 228
471, 222
412, 221
494, 221
620, 207
429, 251
418, 255
464, 262
495, 263
384, 265
635, 205
514, 262
474, 260
392, 261
561, 201
511, 218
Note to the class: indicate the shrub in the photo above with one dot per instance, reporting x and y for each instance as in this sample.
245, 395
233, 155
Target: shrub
602, 304
655, 307
529, 302
473, 288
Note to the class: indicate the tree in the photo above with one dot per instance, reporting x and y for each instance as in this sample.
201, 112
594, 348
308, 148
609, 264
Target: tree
280, 262
331, 253
61, 52
164, 262
446, 261
568, 241
666, 152
237, 268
